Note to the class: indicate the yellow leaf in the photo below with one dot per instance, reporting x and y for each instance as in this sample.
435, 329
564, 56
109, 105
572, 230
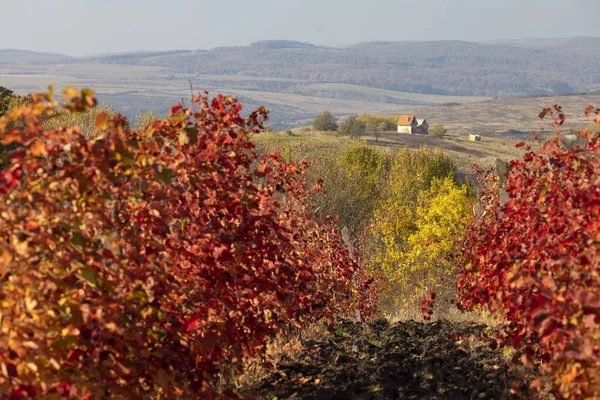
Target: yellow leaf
54, 363
31, 345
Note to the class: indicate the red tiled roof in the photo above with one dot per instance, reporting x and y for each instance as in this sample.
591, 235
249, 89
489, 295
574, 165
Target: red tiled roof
406, 120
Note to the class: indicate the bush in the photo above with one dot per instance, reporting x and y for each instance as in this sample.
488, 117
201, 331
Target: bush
133, 269
143, 120
352, 126
8, 102
437, 130
353, 181
325, 122
535, 262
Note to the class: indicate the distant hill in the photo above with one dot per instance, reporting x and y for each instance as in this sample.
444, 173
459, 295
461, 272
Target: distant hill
503, 68
25, 56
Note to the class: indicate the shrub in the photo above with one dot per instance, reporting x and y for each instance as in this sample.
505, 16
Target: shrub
353, 182
535, 262
325, 122
143, 120
437, 130
352, 126
136, 269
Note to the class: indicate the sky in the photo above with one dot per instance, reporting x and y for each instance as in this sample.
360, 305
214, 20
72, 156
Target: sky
87, 27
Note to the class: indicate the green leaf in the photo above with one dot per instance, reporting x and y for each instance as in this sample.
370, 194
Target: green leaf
165, 175
90, 276
77, 240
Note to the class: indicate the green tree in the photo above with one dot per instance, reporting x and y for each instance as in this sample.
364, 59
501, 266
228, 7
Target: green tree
325, 121
352, 126
6, 97
8, 101
354, 181
437, 130
376, 124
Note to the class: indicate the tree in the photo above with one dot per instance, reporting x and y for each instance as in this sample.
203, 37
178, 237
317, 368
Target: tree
376, 124
325, 121
6, 96
437, 130
396, 231
352, 127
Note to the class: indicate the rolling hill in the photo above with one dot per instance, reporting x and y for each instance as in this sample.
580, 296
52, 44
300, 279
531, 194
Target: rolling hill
296, 80
25, 56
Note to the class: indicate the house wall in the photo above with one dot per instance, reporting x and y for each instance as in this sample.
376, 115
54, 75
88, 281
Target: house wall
405, 129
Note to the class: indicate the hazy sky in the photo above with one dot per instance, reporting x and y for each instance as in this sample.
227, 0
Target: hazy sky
81, 27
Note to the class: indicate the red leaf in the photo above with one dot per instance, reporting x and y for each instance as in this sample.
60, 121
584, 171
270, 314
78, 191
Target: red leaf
192, 323
175, 109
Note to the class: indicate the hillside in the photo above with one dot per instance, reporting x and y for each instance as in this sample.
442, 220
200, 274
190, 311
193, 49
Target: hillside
498, 117
437, 67
25, 56
296, 80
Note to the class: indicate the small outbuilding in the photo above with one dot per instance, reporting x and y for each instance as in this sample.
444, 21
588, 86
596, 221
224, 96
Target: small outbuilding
422, 126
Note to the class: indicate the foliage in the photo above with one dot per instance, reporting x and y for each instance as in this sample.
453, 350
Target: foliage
8, 101
437, 130
6, 95
535, 261
375, 123
143, 120
409, 219
325, 121
85, 120
353, 183
352, 126
135, 269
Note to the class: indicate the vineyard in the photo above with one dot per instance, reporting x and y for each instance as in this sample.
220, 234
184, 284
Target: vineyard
162, 261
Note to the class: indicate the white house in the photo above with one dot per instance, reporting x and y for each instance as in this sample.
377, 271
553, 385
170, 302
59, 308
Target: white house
407, 124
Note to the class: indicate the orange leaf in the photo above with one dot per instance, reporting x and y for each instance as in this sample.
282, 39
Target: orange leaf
38, 148
101, 120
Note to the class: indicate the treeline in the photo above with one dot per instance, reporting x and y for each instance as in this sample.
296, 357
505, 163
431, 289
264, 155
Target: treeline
445, 68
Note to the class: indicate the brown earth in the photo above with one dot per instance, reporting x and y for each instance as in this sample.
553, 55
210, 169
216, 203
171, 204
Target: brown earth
406, 360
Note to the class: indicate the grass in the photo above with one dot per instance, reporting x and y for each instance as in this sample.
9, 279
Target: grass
463, 151
519, 113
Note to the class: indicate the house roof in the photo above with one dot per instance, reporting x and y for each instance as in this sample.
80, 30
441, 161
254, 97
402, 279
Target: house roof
406, 120
420, 121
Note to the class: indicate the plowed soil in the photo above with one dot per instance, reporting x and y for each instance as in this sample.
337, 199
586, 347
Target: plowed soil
406, 360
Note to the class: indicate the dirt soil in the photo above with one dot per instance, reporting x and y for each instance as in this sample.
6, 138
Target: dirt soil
406, 360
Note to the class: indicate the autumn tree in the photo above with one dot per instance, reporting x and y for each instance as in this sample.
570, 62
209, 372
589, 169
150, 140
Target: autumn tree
352, 126
402, 226
325, 121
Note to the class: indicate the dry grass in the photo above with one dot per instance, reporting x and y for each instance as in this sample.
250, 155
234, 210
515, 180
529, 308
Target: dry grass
519, 113
465, 153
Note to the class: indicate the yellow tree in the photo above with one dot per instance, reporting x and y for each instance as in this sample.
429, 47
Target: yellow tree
414, 227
